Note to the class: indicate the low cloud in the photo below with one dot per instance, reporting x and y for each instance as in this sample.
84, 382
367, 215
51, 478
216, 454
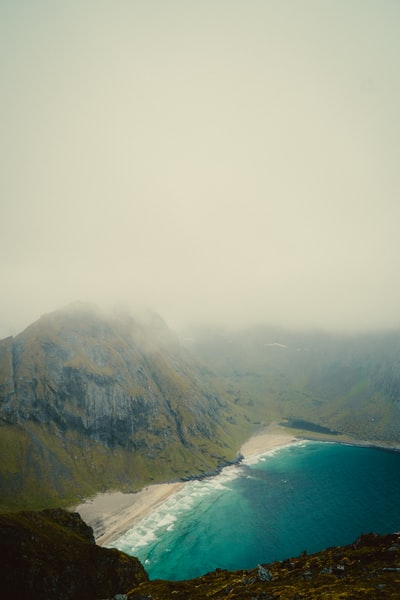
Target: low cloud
219, 162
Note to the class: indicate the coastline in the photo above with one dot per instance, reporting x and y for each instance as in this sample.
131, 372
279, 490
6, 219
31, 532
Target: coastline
267, 438
111, 514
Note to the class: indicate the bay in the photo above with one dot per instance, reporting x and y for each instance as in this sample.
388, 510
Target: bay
303, 497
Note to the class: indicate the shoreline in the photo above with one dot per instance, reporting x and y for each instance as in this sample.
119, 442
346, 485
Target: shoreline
266, 439
111, 514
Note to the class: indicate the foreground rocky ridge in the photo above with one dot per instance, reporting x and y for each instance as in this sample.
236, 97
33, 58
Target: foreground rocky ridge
52, 554
369, 568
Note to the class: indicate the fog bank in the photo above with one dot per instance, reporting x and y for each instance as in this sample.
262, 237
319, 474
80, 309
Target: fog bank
222, 162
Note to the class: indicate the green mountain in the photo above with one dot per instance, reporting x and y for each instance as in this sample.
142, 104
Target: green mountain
90, 402
349, 383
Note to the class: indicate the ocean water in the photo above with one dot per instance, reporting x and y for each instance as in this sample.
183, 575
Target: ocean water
306, 496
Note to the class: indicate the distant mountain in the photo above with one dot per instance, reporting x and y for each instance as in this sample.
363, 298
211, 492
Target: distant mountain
90, 402
349, 383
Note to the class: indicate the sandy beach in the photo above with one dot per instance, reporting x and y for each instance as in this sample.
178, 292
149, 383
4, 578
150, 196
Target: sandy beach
266, 439
112, 514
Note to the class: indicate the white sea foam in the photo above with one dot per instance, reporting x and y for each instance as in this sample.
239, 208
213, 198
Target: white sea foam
163, 517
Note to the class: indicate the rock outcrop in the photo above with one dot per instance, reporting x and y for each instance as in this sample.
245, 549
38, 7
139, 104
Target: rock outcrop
52, 554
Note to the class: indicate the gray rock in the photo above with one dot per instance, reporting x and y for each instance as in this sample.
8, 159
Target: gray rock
264, 574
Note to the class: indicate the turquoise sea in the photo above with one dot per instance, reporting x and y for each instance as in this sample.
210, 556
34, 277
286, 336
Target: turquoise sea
306, 496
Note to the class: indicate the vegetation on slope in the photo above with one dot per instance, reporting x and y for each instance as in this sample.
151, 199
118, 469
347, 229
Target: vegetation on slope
347, 383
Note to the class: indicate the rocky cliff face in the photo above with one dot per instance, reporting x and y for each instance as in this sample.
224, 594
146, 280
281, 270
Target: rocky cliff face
101, 401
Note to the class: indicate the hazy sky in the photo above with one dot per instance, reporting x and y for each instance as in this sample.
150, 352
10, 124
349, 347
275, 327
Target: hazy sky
229, 161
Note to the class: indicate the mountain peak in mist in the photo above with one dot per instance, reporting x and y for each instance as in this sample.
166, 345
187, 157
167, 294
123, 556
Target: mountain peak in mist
108, 401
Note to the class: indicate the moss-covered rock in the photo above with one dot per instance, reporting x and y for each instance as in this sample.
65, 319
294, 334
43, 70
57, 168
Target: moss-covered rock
52, 554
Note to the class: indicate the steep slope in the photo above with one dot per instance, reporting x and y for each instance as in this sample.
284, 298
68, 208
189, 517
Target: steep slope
89, 402
348, 383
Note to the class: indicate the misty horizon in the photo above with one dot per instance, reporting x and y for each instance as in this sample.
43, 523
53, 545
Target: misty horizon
194, 331
221, 163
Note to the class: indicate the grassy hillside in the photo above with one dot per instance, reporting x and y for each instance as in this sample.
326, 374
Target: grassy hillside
348, 383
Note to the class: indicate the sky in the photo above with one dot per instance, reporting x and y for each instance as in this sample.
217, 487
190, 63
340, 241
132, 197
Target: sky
222, 162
